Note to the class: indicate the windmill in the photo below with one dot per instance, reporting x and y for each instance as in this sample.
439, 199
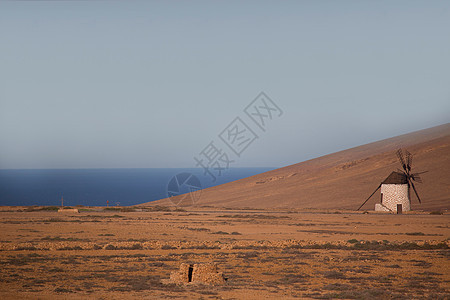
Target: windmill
396, 188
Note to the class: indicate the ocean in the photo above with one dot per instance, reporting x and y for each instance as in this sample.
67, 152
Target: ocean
94, 187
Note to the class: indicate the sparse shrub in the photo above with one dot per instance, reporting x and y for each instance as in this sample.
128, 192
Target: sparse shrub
337, 287
26, 248
55, 270
31, 208
357, 294
324, 246
112, 208
196, 229
137, 246
156, 208
293, 278
220, 232
421, 263
127, 209
62, 290
53, 220
247, 255
255, 216
58, 238
251, 247
394, 266
85, 209
415, 233
110, 247
71, 248
50, 208
334, 275
267, 273
207, 292
42, 208
167, 247
202, 247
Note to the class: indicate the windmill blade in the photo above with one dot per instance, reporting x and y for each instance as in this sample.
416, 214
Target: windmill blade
414, 188
408, 160
369, 197
400, 157
409, 192
400, 170
418, 173
416, 178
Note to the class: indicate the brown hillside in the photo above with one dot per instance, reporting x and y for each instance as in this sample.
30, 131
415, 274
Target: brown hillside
343, 180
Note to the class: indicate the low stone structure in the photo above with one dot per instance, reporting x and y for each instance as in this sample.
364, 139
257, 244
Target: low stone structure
198, 273
381, 207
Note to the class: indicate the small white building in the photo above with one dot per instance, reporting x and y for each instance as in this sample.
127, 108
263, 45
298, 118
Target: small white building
394, 194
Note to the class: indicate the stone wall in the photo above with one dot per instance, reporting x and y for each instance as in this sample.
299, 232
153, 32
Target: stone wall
393, 194
380, 207
182, 275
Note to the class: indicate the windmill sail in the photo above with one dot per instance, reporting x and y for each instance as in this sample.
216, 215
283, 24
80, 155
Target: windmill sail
410, 177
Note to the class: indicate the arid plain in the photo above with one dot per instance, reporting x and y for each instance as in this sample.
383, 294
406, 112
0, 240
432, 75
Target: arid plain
288, 233
310, 254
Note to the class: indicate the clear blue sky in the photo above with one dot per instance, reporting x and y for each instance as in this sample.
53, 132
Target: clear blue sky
149, 84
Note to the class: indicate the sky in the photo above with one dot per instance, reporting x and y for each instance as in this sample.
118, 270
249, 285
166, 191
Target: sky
131, 84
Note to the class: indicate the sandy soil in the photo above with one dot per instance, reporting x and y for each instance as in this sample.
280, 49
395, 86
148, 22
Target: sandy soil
263, 254
341, 180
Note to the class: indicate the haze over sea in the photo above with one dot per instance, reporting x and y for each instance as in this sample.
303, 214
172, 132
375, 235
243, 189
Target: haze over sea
93, 187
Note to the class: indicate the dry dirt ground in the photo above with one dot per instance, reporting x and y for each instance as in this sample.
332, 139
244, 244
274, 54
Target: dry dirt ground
112, 254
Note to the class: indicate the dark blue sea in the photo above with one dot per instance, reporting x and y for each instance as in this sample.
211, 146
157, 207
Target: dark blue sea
94, 187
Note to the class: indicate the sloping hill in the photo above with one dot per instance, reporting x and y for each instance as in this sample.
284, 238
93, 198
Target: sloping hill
343, 180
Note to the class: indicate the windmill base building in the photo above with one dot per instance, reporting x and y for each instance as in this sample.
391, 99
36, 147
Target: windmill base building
394, 194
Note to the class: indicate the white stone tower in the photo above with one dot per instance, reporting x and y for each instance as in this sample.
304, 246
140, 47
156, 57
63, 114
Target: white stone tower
394, 194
